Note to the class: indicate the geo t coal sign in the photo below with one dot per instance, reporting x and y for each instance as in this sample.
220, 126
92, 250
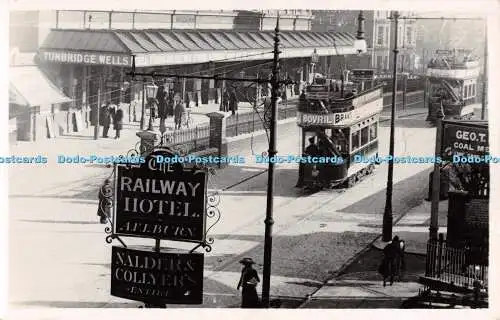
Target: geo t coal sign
464, 139
159, 277
161, 201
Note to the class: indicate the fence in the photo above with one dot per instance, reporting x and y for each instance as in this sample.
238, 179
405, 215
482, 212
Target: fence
248, 122
191, 139
460, 267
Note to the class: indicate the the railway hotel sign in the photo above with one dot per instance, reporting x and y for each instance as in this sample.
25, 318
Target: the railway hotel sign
464, 138
89, 58
161, 201
143, 274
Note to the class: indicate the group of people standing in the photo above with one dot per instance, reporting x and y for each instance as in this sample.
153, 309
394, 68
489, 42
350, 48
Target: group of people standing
111, 114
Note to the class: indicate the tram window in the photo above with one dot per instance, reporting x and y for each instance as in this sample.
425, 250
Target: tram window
355, 140
373, 131
364, 136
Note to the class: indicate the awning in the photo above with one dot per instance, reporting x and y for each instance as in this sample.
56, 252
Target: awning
30, 87
155, 47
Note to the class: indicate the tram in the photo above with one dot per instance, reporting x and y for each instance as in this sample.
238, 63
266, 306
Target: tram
451, 85
338, 122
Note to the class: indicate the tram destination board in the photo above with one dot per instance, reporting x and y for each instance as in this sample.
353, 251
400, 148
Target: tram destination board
142, 274
464, 139
160, 200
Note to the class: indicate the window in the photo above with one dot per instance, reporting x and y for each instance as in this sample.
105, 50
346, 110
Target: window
364, 136
355, 141
470, 91
380, 35
373, 131
474, 90
465, 92
409, 36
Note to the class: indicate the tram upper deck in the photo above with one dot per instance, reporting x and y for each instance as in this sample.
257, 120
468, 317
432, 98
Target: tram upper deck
339, 108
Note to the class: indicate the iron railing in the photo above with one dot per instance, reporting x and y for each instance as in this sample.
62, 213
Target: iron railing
460, 267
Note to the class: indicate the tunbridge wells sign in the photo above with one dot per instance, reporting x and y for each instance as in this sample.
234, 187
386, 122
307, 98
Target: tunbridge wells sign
143, 274
87, 58
160, 200
464, 139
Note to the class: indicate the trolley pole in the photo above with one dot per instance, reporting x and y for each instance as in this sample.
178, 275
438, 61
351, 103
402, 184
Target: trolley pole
485, 71
268, 237
387, 219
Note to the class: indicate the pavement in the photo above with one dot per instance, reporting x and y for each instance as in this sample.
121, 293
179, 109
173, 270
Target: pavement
59, 257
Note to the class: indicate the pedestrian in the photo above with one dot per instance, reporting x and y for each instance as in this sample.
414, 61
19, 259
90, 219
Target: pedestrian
248, 282
302, 96
179, 111
225, 101
233, 102
118, 122
103, 210
106, 120
401, 262
388, 267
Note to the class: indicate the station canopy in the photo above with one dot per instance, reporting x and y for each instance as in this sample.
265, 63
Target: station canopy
157, 47
30, 87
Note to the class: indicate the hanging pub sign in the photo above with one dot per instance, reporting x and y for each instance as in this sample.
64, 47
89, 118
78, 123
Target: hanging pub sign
464, 138
160, 199
142, 274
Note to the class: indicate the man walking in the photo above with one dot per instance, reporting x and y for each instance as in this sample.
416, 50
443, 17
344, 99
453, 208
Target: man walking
106, 119
179, 111
233, 102
118, 122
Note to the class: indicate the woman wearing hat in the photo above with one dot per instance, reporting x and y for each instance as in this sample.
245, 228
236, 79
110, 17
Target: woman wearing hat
248, 281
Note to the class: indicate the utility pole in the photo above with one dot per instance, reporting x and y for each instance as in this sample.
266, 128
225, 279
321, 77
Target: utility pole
98, 111
143, 103
387, 219
485, 71
268, 237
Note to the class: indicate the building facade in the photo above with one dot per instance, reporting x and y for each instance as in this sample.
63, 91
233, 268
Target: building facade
379, 30
87, 54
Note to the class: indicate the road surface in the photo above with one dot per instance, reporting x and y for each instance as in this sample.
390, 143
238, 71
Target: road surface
59, 257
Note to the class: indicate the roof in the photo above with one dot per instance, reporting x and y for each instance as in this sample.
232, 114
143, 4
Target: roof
160, 40
30, 87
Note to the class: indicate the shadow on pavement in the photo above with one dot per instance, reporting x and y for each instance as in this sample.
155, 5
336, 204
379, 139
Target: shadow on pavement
365, 267
376, 201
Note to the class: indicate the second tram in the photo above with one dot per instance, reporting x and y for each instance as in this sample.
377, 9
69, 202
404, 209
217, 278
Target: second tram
339, 124
451, 85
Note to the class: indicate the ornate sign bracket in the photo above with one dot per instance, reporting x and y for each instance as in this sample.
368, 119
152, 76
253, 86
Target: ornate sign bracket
107, 202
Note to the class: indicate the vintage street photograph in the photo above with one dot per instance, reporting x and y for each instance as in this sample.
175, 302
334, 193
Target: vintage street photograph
267, 158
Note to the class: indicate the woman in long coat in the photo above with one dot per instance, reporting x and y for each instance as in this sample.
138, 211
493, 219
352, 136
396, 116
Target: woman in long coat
248, 281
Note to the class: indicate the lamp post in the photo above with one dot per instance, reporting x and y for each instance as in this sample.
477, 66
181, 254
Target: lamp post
151, 91
269, 221
387, 219
314, 61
